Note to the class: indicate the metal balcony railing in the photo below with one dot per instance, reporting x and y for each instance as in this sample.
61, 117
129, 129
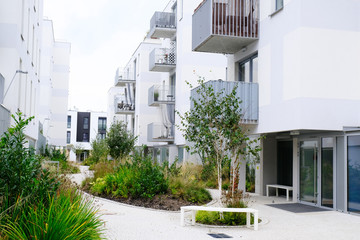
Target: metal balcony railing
123, 105
158, 132
161, 94
247, 93
123, 78
162, 59
225, 26
163, 25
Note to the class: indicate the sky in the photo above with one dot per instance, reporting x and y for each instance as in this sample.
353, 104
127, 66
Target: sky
103, 36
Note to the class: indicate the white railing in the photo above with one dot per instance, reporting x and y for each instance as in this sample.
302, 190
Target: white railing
161, 94
160, 132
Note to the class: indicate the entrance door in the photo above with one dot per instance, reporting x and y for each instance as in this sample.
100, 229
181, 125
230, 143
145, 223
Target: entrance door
309, 171
327, 172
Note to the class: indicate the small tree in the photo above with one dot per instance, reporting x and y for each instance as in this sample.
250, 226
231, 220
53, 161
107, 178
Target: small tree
214, 127
99, 150
119, 140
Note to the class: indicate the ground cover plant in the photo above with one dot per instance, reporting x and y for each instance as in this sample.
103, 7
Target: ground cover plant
32, 199
238, 200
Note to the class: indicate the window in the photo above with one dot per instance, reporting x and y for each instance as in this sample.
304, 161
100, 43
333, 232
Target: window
277, 5
248, 70
353, 172
102, 135
85, 137
68, 137
86, 123
102, 124
69, 122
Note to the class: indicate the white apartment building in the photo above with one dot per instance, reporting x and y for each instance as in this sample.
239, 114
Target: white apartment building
304, 58
82, 129
26, 64
159, 69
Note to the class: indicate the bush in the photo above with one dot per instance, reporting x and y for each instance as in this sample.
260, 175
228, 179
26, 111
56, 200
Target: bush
57, 155
68, 216
98, 153
138, 179
21, 176
119, 140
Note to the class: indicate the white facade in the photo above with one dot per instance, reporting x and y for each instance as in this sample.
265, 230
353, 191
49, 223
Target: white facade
75, 130
161, 70
54, 86
28, 71
305, 59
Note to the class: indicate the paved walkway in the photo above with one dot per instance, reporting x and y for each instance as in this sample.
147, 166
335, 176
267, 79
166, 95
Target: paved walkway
129, 222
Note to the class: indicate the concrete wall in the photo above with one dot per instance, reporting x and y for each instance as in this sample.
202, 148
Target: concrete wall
268, 162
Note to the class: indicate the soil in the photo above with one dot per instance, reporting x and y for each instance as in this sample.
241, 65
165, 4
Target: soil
161, 202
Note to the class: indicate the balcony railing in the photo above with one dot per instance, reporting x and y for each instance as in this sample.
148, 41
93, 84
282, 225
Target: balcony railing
4, 119
122, 78
123, 106
162, 59
163, 25
247, 93
225, 26
160, 94
158, 132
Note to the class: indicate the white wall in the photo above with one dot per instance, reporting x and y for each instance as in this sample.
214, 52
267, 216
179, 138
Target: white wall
309, 58
19, 50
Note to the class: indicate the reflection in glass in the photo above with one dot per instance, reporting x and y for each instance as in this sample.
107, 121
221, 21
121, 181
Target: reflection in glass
308, 171
327, 172
353, 152
245, 72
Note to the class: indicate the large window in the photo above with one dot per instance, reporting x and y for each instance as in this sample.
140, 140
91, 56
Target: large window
102, 124
68, 121
248, 69
86, 123
353, 154
68, 137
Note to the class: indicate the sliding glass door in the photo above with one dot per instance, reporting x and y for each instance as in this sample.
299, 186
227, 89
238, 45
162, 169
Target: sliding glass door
353, 153
309, 171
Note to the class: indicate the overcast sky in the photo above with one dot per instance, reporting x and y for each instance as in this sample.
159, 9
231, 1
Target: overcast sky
103, 35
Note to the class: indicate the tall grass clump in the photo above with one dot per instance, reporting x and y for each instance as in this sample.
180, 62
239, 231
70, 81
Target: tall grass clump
67, 216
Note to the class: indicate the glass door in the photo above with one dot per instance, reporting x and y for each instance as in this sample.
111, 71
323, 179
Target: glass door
309, 171
327, 172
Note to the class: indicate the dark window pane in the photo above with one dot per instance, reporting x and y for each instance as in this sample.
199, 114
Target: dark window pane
86, 123
68, 136
69, 121
353, 149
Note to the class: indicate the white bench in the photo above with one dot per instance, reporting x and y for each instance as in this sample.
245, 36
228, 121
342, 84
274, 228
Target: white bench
193, 210
287, 188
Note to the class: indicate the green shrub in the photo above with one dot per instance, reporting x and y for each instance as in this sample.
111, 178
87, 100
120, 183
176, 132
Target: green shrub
21, 176
209, 218
68, 216
139, 179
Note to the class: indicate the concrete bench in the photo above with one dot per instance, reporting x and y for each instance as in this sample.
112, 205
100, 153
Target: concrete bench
194, 209
276, 186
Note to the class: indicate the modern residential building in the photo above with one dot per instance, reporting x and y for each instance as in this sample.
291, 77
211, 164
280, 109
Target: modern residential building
82, 129
304, 56
156, 75
34, 72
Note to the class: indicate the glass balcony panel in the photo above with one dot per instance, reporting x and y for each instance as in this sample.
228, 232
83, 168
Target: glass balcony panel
123, 105
163, 25
158, 132
162, 59
161, 94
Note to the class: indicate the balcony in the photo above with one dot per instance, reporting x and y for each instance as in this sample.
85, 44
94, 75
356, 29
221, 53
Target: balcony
160, 94
162, 60
163, 25
123, 78
123, 106
158, 132
248, 93
224, 26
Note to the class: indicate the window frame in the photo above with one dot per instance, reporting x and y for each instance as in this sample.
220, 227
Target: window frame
249, 59
68, 137
69, 121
